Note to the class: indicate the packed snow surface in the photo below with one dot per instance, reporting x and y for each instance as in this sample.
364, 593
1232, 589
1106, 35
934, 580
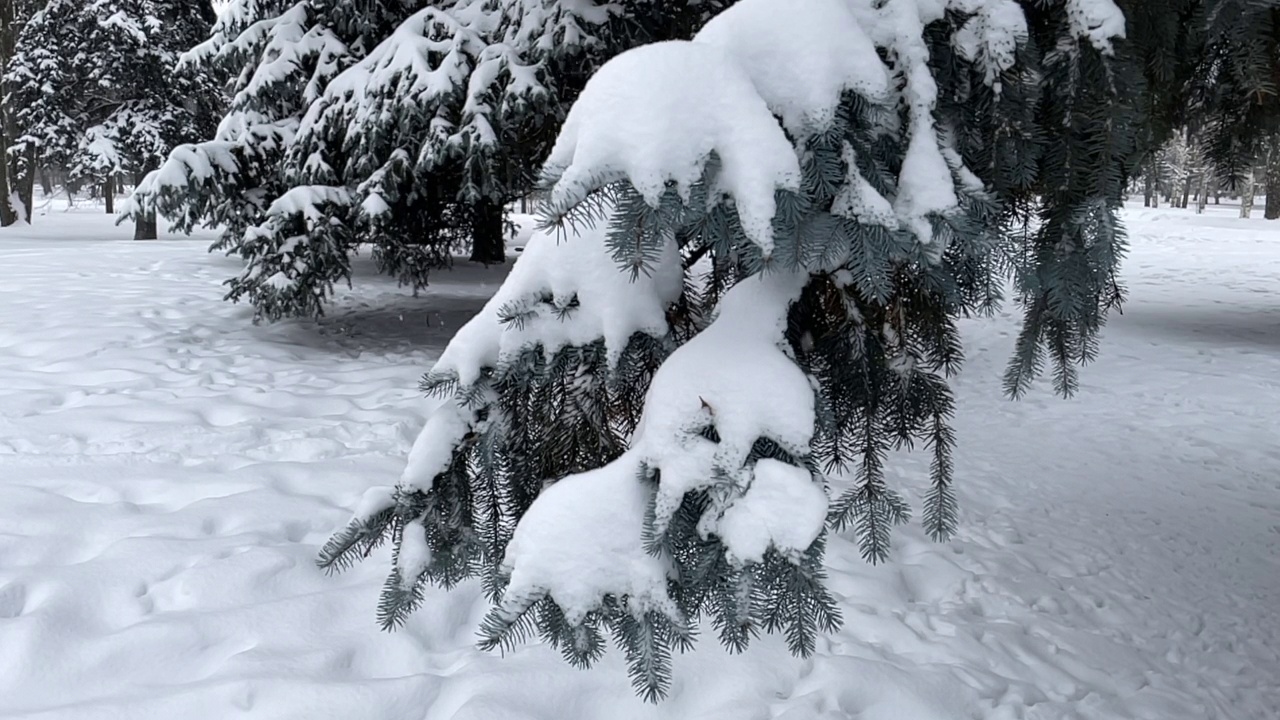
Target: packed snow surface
168, 472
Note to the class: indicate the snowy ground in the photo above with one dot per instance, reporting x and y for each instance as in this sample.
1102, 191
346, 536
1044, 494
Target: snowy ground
168, 471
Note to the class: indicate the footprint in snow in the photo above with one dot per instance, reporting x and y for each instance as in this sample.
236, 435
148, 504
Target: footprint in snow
13, 601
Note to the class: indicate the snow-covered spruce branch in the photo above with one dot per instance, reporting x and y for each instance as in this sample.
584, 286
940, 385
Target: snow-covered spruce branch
799, 214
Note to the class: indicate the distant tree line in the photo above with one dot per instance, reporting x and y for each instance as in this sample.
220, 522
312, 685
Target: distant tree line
93, 99
1181, 175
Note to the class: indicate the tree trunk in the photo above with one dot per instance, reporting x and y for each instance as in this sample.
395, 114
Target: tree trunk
1149, 184
1202, 193
145, 225
488, 234
1186, 192
7, 214
1272, 211
8, 36
145, 228
109, 195
46, 183
26, 182
1246, 195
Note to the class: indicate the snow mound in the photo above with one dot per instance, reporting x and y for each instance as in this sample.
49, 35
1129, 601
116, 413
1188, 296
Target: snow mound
654, 115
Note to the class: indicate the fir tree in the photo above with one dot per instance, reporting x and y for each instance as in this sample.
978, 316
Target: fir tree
805, 198
402, 126
274, 56
93, 89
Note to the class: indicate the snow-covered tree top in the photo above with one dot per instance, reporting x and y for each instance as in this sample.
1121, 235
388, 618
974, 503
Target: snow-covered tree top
233, 19
423, 60
654, 116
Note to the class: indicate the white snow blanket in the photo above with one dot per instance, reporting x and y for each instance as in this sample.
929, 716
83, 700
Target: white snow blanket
168, 472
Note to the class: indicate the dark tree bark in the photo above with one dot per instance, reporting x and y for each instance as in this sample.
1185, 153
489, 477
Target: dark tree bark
26, 182
145, 228
7, 214
145, 225
8, 35
1272, 211
488, 234
109, 195
1246, 195
46, 182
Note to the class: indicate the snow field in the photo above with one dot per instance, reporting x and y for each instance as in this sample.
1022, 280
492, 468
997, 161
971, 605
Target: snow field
168, 472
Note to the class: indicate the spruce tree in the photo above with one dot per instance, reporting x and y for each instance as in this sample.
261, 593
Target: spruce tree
804, 198
290, 212
92, 88
273, 56
1210, 68
406, 127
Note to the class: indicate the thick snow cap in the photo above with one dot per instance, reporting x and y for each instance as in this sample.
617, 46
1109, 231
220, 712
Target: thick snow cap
655, 114
801, 56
